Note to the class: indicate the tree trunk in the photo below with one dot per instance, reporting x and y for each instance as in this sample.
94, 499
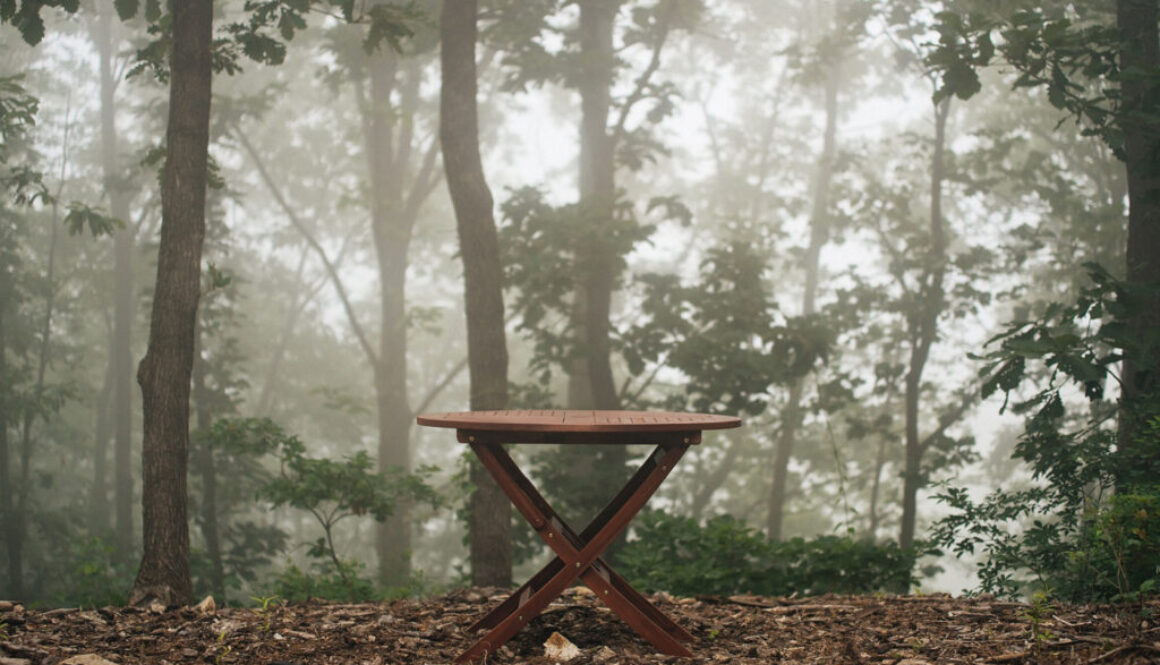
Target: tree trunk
591, 384
164, 373
102, 432
590, 380
20, 504
819, 234
11, 588
923, 329
206, 466
874, 516
487, 358
392, 237
713, 480
123, 296
297, 304
1137, 20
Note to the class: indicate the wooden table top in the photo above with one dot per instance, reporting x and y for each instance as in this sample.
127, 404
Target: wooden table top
560, 420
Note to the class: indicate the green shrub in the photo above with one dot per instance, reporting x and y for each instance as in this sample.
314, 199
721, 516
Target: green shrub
95, 578
724, 556
1087, 530
347, 585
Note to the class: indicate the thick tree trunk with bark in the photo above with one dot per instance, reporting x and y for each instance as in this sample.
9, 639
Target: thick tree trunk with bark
487, 358
819, 234
922, 327
121, 361
1137, 20
164, 373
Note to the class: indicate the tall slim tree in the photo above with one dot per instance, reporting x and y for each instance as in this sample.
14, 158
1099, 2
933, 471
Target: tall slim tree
922, 327
120, 361
164, 374
794, 411
487, 358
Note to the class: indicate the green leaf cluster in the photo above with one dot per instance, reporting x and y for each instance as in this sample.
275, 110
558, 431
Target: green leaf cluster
546, 250
724, 333
26, 17
1069, 534
1076, 62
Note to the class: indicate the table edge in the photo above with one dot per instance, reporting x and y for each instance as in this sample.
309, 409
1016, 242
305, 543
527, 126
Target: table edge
561, 427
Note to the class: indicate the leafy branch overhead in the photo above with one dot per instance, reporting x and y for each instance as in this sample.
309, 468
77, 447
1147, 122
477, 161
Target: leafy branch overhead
260, 37
1076, 62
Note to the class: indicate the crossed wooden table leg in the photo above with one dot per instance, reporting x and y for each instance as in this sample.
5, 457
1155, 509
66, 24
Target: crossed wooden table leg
578, 555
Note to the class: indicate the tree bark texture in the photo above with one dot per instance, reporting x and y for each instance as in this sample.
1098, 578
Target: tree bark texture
794, 413
121, 361
487, 358
164, 373
922, 327
1137, 21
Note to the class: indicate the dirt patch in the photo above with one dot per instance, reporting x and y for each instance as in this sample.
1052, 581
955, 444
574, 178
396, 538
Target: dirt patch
906, 630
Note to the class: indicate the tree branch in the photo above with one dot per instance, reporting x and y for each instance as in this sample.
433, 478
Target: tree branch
642, 81
331, 269
441, 385
425, 181
950, 418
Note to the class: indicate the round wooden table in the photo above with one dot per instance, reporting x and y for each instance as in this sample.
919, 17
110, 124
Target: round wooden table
578, 554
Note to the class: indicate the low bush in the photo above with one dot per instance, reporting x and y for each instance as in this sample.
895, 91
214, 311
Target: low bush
724, 556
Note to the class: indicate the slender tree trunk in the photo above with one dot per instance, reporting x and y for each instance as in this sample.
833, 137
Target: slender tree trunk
923, 329
591, 384
13, 577
1137, 20
164, 373
874, 516
487, 358
99, 496
590, 380
715, 478
392, 237
17, 518
819, 235
297, 304
123, 295
206, 466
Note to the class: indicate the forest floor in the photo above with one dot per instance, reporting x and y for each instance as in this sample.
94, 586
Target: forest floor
906, 630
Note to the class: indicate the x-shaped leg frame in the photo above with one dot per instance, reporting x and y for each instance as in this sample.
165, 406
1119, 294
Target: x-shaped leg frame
578, 555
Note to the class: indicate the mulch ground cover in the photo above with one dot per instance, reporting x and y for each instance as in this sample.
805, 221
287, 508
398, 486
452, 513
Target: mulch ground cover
907, 630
